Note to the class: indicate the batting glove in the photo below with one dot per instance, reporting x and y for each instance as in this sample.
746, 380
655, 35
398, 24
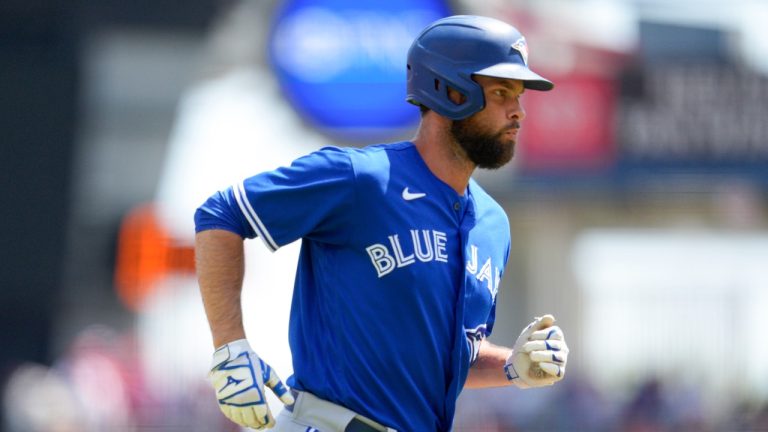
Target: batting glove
238, 375
539, 356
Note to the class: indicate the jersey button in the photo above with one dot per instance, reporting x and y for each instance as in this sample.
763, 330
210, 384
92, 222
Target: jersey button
457, 206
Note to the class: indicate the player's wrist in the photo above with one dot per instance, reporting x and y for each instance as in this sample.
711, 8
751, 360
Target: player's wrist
225, 334
512, 374
229, 351
509, 370
237, 346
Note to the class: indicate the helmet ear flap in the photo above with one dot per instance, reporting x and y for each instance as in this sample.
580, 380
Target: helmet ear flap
442, 88
455, 96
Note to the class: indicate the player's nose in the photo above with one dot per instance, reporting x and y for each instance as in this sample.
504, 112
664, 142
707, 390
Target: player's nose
515, 110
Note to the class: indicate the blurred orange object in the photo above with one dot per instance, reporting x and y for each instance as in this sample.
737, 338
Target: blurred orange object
145, 254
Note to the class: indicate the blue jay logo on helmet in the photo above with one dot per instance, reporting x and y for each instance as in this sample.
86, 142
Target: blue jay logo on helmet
522, 48
451, 50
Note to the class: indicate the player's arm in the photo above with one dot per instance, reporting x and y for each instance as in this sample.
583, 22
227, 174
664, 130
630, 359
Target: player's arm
237, 374
219, 260
488, 369
220, 269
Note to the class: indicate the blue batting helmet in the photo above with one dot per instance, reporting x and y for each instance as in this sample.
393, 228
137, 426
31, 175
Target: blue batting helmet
450, 50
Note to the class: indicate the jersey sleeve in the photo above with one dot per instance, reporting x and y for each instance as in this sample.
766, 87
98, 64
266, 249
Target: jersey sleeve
220, 211
312, 198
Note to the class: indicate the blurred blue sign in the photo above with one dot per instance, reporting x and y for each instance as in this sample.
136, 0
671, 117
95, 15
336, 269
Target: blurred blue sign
342, 63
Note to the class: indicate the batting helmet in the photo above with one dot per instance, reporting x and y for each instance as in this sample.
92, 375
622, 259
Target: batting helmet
450, 50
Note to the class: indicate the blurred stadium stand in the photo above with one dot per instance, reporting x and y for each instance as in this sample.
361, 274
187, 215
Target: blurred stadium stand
41, 115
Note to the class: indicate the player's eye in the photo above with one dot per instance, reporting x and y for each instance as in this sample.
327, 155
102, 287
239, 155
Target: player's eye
500, 92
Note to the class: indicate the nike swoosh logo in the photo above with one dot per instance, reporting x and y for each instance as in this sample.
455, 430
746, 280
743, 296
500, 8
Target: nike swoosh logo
408, 196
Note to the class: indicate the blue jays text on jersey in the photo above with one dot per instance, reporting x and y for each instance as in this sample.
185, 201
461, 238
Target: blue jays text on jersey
397, 277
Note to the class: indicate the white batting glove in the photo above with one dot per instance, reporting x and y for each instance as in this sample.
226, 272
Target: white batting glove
238, 375
539, 355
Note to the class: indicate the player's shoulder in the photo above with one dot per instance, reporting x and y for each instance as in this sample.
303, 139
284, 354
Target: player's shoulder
370, 166
375, 160
485, 204
380, 150
480, 195
371, 151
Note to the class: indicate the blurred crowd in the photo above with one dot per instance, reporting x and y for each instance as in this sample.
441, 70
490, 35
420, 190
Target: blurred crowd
577, 405
99, 385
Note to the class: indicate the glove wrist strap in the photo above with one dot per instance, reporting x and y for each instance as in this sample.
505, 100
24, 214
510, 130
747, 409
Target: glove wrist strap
229, 351
510, 372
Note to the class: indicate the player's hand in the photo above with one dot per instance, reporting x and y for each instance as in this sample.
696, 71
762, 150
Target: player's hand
539, 355
238, 375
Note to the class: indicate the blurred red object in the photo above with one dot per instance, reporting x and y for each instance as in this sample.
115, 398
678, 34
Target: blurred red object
571, 128
145, 254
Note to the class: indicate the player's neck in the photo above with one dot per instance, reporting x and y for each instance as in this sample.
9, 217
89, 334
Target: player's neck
444, 157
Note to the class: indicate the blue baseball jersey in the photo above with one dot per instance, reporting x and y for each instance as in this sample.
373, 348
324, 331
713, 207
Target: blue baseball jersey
396, 281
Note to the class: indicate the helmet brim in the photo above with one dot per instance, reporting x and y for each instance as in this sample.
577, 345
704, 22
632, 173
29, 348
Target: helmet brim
530, 79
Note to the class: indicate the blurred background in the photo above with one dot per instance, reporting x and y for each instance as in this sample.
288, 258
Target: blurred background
637, 199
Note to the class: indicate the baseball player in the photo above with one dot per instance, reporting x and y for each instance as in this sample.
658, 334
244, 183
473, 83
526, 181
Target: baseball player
401, 257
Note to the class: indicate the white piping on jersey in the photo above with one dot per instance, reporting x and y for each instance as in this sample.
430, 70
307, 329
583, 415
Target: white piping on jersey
483, 327
252, 217
474, 337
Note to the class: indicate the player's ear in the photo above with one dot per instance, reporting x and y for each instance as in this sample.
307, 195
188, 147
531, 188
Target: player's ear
456, 96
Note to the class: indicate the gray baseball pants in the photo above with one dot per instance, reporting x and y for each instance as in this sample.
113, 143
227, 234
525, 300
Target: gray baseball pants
312, 414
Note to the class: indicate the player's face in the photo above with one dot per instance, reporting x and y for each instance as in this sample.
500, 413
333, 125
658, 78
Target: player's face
489, 136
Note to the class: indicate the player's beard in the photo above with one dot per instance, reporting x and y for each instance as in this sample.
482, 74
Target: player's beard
484, 148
